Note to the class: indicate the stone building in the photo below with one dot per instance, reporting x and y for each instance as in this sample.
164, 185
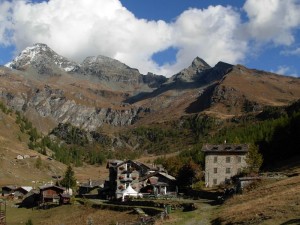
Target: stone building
223, 162
138, 176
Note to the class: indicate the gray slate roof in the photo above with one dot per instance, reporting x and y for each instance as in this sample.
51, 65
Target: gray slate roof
234, 148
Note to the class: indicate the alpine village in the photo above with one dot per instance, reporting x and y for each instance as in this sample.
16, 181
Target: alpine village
100, 143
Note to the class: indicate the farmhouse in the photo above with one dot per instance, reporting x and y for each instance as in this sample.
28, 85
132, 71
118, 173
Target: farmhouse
223, 162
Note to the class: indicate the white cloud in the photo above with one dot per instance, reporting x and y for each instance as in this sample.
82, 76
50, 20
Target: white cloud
211, 34
291, 52
80, 28
285, 70
5, 24
272, 20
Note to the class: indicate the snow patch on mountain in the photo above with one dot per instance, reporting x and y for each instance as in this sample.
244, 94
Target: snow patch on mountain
41, 53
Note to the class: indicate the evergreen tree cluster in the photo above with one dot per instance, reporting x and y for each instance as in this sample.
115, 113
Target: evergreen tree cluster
157, 139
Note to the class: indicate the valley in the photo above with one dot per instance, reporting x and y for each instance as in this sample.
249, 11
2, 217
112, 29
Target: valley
55, 113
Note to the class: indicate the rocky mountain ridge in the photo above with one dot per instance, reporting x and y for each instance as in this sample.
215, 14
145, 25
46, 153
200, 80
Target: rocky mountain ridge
102, 90
41, 59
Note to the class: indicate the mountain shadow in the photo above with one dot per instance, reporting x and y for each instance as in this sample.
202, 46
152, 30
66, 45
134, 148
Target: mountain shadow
203, 101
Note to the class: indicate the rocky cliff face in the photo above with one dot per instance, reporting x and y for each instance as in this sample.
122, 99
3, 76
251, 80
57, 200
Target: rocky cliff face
53, 103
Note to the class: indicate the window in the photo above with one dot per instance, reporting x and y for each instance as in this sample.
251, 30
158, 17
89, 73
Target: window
228, 159
215, 181
239, 159
215, 159
227, 170
215, 170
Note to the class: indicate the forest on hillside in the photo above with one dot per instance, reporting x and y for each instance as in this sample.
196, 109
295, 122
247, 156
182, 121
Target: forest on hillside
275, 131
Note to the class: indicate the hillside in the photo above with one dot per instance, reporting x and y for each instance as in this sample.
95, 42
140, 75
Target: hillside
22, 171
272, 202
15, 171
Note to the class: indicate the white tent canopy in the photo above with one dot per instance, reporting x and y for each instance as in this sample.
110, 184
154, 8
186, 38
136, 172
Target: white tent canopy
129, 191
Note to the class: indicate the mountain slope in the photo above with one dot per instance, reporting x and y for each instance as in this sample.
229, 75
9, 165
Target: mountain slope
244, 90
21, 171
103, 91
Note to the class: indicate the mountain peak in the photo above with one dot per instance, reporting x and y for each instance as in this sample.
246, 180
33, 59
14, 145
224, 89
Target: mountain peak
190, 73
41, 55
199, 63
100, 59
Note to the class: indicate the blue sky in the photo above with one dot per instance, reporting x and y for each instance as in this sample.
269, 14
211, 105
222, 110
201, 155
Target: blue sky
160, 36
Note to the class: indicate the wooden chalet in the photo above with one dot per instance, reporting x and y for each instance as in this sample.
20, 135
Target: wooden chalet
50, 194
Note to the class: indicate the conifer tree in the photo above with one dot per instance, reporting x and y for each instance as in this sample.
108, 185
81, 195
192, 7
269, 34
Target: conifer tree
69, 180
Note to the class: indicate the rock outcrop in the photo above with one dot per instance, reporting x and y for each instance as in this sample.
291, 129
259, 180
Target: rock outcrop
53, 103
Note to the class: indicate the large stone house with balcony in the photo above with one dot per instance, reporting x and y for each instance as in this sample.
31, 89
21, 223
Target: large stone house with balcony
223, 162
123, 174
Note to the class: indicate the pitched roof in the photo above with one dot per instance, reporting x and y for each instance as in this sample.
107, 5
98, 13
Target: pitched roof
26, 188
50, 186
11, 187
131, 161
168, 176
233, 148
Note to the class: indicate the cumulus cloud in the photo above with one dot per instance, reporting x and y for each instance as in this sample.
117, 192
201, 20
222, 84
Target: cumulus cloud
210, 33
272, 20
80, 28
